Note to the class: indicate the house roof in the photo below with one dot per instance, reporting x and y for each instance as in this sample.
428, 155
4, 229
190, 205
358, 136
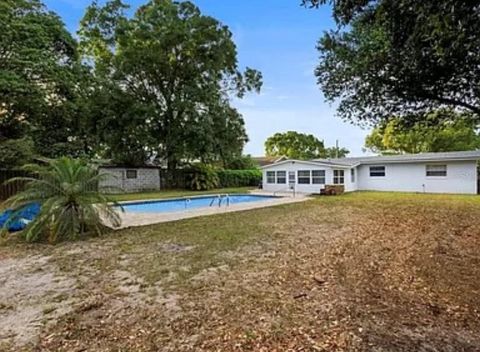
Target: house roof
473, 155
408, 158
317, 162
267, 160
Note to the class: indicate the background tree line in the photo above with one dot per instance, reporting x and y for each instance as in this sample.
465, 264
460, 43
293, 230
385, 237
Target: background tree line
152, 86
302, 146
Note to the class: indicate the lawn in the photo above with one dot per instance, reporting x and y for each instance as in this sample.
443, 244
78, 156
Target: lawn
176, 193
360, 272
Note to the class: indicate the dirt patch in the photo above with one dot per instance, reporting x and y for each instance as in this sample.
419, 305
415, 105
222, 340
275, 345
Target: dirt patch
32, 295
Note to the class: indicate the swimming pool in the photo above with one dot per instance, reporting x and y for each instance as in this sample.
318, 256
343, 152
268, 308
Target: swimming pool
187, 203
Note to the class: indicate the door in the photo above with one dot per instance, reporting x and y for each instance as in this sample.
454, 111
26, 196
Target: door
478, 180
291, 179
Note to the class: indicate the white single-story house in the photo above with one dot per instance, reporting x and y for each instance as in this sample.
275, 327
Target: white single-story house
449, 172
130, 179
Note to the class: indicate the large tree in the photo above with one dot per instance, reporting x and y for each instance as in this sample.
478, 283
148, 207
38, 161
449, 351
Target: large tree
441, 131
40, 77
295, 145
401, 57
168, 73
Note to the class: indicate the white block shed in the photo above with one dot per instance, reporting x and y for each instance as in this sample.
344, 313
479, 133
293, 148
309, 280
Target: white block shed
126, 179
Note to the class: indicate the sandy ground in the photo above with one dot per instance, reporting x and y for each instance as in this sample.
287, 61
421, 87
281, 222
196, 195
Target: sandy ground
32, 295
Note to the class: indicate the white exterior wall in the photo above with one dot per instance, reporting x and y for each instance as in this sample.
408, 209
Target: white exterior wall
303, 188
400, 177
411, 177
349, 185
147, 179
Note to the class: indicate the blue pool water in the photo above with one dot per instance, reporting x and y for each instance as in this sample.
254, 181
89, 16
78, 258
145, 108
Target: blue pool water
182, 204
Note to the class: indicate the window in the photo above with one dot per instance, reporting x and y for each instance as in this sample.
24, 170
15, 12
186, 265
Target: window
270, 176
437, 170
281, 177
377, 171
318, 177
131, 173
338, 177
352, 175
304, 177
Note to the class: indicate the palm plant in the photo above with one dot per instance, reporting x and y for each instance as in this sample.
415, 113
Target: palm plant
71, 203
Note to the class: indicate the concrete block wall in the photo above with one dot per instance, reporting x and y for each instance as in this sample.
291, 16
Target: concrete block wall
147, 179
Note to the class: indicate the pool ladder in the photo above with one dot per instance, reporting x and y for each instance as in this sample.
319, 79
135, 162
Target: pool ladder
220, 198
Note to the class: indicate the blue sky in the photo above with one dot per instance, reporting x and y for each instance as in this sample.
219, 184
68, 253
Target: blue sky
277, 37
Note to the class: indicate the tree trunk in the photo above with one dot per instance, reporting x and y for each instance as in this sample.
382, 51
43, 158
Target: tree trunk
172, 162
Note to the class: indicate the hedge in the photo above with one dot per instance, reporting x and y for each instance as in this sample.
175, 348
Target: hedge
239, 178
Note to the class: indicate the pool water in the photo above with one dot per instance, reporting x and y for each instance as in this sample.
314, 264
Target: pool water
182, 204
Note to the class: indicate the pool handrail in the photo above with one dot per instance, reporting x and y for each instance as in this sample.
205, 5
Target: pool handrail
220, 198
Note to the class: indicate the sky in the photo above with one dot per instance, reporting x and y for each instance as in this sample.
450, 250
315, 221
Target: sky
277, 37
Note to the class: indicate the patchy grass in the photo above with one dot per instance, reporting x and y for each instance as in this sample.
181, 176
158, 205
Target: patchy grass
175, 193
359, 272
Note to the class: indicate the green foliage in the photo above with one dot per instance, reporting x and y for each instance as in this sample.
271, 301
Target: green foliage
441, 131
336, 152
206, 177
294, 145
400, 57
243, 162
167, 73
155, 84
219, 138
41, 76
71, 204
15, 153
203, 177
239, 178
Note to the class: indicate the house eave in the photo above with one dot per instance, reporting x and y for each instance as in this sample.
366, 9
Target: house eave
315, 163
417, 161
372, 162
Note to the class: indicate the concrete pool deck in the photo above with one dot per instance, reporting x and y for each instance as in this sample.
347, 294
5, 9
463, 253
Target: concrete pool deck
141, 219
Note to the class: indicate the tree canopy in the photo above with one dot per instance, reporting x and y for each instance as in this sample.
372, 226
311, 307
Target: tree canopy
157, 84
441, 131
40, 75
295, 145
167, 76
400, 57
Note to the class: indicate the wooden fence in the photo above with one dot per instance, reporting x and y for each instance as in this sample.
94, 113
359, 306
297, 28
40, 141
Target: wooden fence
8, 190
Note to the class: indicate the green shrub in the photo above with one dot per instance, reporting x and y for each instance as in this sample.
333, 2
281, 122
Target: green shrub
15, 152
203, 177
239, 178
